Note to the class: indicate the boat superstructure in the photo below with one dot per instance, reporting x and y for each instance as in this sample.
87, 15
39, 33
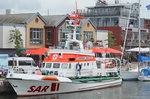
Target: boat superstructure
21, 63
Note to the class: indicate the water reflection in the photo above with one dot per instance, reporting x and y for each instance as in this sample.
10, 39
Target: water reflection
128, 90
78, 95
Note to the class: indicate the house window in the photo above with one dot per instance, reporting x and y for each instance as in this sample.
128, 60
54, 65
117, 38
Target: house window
87, 35
36, 35
114, 21
64, 30
49, 36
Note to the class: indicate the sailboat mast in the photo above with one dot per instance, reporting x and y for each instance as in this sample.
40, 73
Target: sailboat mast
139, 31
139, 27
126, 31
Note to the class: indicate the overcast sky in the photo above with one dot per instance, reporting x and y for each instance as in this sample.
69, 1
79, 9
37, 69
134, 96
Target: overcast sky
58, 6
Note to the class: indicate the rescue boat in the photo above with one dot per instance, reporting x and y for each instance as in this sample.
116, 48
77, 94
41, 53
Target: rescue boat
71, 69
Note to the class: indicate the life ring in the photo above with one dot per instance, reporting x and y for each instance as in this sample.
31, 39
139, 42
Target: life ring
55, 56
50, 78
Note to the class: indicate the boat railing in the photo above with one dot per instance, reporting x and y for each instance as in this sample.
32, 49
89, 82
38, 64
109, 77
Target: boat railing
71, 51
23, 71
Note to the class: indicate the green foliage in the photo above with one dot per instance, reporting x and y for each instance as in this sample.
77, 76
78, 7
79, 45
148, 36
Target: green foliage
111, 41
15, 37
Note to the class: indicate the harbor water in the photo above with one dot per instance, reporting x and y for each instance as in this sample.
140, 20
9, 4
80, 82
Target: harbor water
128, 90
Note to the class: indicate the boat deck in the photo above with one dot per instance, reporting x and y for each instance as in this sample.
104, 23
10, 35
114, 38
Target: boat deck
98, 78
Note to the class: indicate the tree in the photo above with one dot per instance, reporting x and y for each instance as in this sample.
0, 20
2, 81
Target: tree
111, 41
15, 37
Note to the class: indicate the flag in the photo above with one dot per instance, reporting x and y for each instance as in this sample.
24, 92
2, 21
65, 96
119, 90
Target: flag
148, 7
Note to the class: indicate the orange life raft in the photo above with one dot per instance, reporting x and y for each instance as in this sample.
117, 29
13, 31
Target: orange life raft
50, 78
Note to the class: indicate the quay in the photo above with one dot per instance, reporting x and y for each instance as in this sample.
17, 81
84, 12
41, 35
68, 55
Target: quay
5, 86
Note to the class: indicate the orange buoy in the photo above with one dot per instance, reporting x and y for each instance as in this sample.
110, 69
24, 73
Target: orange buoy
50, 78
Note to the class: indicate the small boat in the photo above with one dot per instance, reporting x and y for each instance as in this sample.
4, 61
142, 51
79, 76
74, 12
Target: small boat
144, 74
71, 69
130, 75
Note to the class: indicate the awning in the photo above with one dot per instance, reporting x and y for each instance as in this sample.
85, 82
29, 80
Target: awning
105, 50
96, 50
40, 51
110, 50
137, 49
143, 58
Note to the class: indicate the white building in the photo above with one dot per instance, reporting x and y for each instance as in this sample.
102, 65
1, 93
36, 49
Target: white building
30, 25
102, 38
5, 34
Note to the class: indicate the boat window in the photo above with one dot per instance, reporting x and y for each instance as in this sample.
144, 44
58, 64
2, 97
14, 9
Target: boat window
56, 65
70, 66
43, 64
25, 62
48, 65
64, 65
11, 63
84, 64
98, 63
87, 64
33, 63
71, 59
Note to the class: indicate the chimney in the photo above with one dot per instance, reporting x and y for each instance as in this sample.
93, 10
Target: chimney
9, 11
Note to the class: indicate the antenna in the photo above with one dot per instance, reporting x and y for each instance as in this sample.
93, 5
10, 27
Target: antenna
75, 15
75, 20
76, 7
47, 11
116, 1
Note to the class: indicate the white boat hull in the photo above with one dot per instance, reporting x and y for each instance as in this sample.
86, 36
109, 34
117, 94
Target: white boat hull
129, 75
43, 87
144, 78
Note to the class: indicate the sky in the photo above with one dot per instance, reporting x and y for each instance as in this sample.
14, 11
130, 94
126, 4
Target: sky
57, 7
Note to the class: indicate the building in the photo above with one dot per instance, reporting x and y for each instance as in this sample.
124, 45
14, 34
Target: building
102, 38
31, 26
88, 30
58, 29
147, 24
116, 18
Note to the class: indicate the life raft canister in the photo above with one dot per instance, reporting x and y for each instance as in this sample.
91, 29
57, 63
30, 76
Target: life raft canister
50, 78
109, 66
